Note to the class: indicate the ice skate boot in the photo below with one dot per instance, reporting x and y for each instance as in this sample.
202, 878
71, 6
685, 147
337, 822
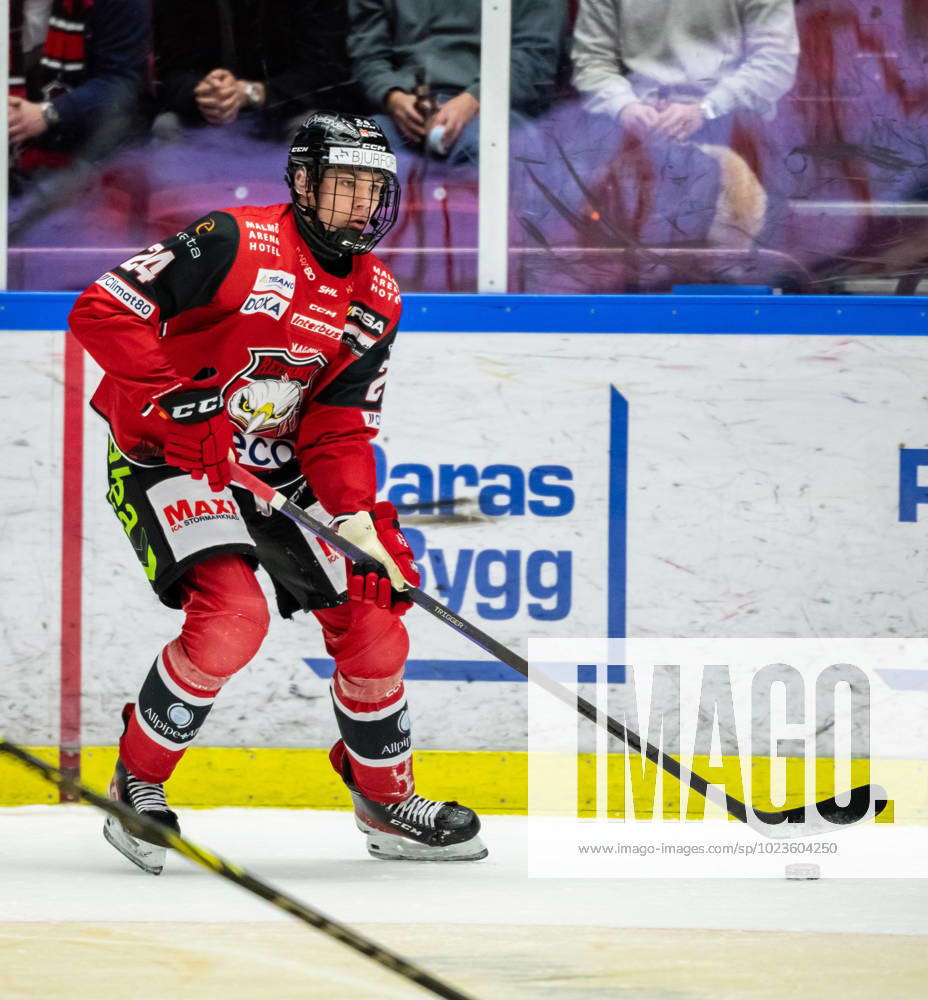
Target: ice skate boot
417, 829
148, 800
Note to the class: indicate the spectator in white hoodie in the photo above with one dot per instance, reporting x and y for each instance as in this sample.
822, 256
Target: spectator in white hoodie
674, 71
672, 65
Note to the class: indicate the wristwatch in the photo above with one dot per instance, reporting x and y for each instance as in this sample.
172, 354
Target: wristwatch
50, 114
253, 93
709, 110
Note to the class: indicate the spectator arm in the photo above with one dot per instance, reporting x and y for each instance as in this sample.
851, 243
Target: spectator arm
121, 43
537, 32
370, 45
596, 58
319, 28
178, 86
180, 31
771, 47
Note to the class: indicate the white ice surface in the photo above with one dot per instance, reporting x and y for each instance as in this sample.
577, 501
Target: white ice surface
55, 865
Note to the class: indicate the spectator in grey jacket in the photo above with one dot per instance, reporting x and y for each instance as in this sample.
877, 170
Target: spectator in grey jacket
672, 65
395, 44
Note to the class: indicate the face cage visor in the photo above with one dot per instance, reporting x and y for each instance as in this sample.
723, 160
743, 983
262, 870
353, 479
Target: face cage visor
340, 205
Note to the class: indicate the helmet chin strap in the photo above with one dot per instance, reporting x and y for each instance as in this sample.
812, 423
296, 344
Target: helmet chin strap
311, 229
347, 232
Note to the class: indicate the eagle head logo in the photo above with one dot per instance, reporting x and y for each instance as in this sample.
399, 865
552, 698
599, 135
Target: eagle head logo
267, 406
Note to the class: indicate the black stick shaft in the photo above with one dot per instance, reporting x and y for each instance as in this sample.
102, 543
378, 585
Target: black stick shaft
496, 649
144, 827
733, 806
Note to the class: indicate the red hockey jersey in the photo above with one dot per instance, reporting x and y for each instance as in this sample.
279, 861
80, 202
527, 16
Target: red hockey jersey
300, 352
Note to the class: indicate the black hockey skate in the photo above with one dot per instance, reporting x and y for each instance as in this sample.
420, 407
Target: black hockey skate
417, 829
148, 800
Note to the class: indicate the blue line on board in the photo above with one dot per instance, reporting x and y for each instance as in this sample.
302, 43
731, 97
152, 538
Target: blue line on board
905, 680
616, 581
436, 670
470, 670
675, 315
586, 673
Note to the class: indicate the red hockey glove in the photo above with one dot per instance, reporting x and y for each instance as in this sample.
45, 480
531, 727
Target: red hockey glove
199, 434
391, 568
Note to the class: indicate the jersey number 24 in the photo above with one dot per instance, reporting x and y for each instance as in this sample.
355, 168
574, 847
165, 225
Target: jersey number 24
149, 263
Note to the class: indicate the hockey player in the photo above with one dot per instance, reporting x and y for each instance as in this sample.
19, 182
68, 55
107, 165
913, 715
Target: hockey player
268, 329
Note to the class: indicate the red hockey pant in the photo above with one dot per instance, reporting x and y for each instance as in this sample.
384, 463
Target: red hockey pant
225, 621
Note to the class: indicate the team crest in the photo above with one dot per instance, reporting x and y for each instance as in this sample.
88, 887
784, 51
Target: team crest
267, 397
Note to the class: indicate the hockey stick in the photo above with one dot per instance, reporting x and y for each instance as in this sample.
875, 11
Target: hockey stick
866, 801
145, 828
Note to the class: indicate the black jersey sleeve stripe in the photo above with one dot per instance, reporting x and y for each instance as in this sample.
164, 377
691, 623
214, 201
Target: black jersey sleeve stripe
186, 270
361, 383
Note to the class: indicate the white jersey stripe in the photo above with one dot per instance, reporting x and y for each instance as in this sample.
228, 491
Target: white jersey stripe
375, 716
62, 25
386, 762
176, 689
58, 64
162, 741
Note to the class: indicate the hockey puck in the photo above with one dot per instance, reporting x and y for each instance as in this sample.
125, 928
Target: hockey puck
803, 871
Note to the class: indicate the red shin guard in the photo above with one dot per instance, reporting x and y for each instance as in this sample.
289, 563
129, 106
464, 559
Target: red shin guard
226, 621
370, 645
163, 722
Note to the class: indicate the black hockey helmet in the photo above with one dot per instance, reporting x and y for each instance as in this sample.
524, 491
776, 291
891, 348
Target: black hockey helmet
330, 139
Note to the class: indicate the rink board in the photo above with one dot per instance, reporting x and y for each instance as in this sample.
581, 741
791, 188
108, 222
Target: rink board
565, 482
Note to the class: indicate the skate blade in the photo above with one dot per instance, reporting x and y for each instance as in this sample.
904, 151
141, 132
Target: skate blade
389, 847
148, 857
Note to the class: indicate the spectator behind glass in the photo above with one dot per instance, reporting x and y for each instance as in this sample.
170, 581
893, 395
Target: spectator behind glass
669, 71
217, 59
78, 78
686, 61
419, 61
